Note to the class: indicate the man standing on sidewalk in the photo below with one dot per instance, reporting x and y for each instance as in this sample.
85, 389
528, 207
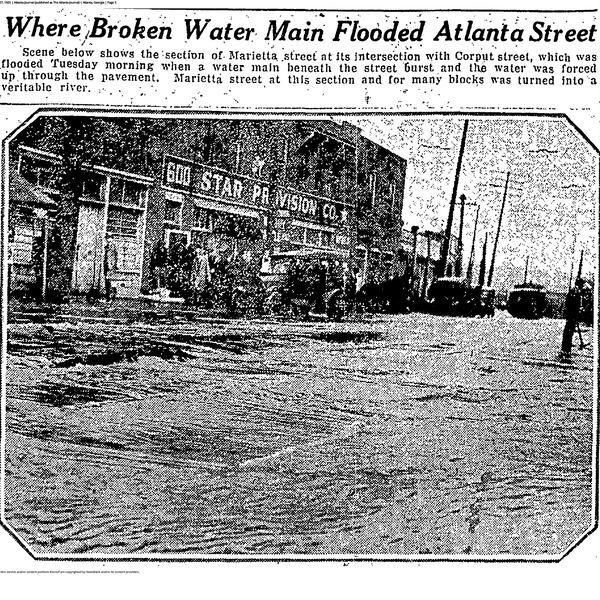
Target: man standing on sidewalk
110, 267
572, 315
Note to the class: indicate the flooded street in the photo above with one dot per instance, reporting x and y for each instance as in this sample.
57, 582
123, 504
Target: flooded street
407, 434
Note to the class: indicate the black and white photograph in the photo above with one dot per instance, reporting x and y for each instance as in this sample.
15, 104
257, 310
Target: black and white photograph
294, 336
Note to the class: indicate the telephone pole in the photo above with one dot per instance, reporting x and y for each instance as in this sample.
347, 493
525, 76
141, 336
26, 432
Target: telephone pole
580, 270
459, 254
446, 242
472, 257
493, 259
482, 264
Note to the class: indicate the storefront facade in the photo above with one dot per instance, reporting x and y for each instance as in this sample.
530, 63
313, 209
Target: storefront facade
277, 190
110, 203
307, 188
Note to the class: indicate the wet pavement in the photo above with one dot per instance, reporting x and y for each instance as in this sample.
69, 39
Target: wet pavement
409, 434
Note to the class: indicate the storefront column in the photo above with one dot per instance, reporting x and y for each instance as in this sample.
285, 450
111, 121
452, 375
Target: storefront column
42, 215
104, 229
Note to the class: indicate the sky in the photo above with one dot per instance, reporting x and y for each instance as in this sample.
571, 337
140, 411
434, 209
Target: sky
552, 194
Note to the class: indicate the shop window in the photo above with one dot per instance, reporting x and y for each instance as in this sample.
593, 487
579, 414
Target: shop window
297, 235
126, 193
173, 210
174, 238
327, 239
313, 237
122, 223
202, 219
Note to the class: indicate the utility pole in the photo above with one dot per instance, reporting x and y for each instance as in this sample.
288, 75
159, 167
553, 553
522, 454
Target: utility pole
493, 259
472, 256
571, 275
580, 270
446, 242
482, 265
459, 254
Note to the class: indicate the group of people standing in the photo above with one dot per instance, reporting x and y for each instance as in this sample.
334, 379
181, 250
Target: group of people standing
205, 278
183, 269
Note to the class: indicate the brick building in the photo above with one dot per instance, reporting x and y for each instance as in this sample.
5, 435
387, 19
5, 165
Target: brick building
283, 188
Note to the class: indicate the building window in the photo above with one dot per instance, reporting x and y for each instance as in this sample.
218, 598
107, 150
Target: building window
297, 235
238, 156
303, 172
284, 158
372, 189
91, 187
122, 223
202, 219
258, 164
38, 171
207, 146
173, 209
313, 237
388, 262
176, 237
393, 189
126, 193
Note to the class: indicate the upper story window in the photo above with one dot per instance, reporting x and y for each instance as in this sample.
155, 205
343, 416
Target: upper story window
372, 189
393, 194
173, 208
38, 171
91, 186
127, 193
238, 156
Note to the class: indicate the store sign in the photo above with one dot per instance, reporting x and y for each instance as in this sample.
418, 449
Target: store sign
211, 182
312, 208
182, 175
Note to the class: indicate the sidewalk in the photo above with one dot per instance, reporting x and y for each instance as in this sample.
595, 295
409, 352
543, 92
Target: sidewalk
120, 310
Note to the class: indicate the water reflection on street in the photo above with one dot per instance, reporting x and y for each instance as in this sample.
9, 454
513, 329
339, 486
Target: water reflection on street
405, 434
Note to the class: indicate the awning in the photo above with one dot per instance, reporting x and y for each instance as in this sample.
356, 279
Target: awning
23, 193
311, 253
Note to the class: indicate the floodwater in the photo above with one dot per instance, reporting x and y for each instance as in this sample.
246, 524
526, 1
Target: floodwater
408, 434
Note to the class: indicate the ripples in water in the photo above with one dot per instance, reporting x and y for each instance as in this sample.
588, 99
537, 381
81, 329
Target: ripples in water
410, 435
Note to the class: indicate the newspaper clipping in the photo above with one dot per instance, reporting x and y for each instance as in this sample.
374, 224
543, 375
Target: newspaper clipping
297, 285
